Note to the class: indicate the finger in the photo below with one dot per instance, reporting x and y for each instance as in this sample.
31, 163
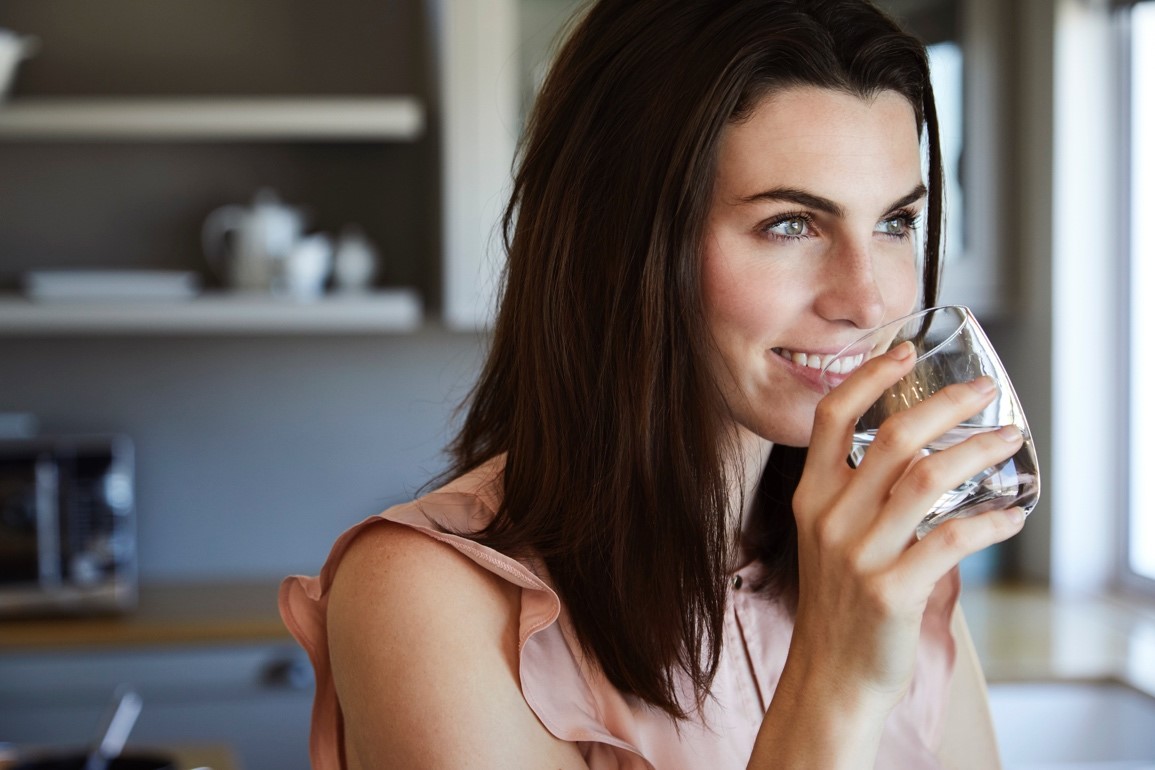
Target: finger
927, 560
837, 413
904, 435
927, 479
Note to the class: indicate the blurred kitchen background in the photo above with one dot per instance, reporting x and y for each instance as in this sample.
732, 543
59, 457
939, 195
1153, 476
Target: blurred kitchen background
258, 240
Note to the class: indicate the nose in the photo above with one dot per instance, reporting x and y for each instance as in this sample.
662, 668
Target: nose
849, 290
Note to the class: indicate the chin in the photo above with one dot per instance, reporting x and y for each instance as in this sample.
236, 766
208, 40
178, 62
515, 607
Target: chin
778, 420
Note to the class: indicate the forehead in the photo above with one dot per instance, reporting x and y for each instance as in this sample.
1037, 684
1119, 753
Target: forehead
822, 140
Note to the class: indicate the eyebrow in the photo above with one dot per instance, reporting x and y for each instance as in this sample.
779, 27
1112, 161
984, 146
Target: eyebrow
810, 200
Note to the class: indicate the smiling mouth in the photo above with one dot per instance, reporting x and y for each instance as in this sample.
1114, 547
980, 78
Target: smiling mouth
843, 365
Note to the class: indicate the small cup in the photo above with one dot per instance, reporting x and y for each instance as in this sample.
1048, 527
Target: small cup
950, 347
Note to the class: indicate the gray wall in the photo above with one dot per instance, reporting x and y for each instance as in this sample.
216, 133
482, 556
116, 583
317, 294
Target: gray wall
253, 452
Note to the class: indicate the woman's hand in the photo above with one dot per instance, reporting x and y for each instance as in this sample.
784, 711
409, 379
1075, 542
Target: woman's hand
864, 581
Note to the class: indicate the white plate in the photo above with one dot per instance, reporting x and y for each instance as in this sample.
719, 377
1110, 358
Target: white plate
110, 284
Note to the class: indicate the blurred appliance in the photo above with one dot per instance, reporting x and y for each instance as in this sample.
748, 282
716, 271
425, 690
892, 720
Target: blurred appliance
67, 525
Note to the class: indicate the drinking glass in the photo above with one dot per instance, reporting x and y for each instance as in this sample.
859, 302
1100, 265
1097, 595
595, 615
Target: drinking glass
950, 347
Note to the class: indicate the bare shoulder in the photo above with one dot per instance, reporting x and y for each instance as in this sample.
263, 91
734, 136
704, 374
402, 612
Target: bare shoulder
397, 588
393, 562
424, 650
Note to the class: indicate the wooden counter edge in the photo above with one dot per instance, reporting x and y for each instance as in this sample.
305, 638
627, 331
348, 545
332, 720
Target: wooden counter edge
174, 614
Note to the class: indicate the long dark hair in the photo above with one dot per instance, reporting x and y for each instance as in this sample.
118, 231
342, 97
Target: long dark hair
618, 460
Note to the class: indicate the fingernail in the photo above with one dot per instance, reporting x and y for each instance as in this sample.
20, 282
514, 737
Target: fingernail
1010, 433
1016, 515
901, 351
984, 385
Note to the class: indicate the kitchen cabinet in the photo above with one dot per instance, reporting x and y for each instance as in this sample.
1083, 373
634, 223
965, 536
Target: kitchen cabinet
135, 121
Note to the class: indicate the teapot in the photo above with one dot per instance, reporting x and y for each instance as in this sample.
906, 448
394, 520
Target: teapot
247, 246
13, 49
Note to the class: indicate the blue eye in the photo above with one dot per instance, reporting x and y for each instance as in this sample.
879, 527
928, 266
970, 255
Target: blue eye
791, 227
899, 226
892, 226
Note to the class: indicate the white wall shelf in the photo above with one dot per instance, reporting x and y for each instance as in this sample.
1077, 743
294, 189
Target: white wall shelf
317, 118
393, 311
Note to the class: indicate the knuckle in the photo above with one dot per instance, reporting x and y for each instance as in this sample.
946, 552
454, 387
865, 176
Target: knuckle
894, 436
957, 537
826, 533
879, 593
971, 534
856, 558
823, 531
923, 478
959, 395
828, 412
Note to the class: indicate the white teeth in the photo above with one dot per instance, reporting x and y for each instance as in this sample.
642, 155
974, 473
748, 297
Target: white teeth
846, 365
843, 365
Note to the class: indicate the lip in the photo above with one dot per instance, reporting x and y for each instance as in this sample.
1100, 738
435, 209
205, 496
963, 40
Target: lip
811, 377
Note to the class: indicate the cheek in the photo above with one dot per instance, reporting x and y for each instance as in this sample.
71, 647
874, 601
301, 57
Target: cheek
717, 278
741, 292
735, 308
900, 281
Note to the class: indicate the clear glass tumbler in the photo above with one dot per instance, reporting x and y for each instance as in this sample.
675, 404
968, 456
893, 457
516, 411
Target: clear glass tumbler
950, 347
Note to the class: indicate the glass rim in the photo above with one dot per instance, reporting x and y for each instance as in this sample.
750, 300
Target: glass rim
965, 315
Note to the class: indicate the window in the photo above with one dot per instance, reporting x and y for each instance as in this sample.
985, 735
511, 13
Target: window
1141, 530
946, 74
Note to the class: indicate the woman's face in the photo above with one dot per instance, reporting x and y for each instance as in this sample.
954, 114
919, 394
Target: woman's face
809, 243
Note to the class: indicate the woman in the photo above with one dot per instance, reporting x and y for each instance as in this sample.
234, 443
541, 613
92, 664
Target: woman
713, 197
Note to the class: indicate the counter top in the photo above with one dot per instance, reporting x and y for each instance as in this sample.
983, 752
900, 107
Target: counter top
1027, 634
200, 613
1021, 633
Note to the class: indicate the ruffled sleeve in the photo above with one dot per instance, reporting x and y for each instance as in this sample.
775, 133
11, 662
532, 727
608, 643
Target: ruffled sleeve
552, 679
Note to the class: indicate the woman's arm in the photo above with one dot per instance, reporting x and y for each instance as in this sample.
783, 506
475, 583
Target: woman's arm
424, 650
968, 739
864, 582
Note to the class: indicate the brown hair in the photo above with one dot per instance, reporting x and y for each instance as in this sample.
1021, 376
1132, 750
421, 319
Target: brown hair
597, 387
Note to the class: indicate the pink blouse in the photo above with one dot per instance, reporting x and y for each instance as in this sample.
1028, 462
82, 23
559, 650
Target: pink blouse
571, 696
